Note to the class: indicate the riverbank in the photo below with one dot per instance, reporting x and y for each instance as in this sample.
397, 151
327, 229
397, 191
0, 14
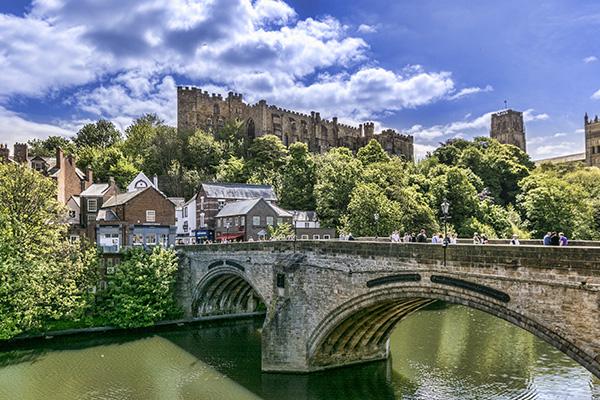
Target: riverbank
27, 339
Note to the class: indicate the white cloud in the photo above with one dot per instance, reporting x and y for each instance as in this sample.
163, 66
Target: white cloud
529, 115
596, 95
590, 59
421, 150
469, 91
364, 28
16, 128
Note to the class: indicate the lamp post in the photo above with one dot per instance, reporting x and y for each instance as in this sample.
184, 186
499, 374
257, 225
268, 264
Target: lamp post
295, 223
445, 206
376, 218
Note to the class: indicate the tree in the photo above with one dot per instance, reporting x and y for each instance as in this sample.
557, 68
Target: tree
48, 146
232, 170
203, 152
142, 289
102, 134
140, 136
42, 275
281, 232
267, 156
106, 163
298, 179
368, 200
372, 153
232, 138
337, 174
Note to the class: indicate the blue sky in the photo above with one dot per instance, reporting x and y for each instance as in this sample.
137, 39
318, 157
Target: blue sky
434, 69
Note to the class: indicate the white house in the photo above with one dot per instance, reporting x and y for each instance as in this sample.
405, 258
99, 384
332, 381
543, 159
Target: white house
141, 181
186, 222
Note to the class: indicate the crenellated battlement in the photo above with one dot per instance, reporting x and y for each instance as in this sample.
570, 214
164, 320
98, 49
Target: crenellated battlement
199, 109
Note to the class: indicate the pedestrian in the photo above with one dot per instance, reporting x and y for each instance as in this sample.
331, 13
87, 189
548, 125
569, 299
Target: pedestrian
422, 237
547, 239
435, 239
484, 239
413, 237
515, 240
476, 238
554, 239
350, 237
395, 237
563, 241
454, 239
407, 238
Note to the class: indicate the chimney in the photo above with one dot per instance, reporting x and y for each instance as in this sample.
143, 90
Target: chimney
59, 157
89, 174
155, 181
21, 153
111, 181
4, 153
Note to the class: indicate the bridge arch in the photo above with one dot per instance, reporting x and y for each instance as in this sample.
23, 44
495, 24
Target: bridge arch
359, 329
225, 289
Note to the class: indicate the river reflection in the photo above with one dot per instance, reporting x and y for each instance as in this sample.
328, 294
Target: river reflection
445, 353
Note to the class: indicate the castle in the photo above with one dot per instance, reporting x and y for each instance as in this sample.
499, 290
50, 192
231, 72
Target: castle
197, 109
508, 128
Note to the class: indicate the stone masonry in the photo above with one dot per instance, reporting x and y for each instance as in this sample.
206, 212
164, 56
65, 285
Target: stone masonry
508, 128
592, 141
199, 109
331, 304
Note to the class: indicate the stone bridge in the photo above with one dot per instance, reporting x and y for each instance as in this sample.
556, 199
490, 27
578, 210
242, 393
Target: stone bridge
335, 303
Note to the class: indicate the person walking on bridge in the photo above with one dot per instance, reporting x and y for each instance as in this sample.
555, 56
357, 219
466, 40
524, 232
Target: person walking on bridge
562, 239
547, 239
422, 237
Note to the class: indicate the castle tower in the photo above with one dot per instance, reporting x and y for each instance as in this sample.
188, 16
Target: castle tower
592, 141
21, 153
508, 128
4, 153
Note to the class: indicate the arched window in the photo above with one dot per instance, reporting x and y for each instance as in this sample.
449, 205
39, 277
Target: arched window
251, 130
216, 109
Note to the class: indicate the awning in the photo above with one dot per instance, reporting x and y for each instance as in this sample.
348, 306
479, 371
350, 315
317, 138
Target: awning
230, 236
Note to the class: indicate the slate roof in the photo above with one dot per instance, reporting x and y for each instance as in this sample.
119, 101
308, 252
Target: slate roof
95, 190
122, 198
242, 207
239, 191
106, 215
178, 201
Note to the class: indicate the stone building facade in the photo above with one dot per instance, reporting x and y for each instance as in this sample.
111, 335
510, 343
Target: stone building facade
199, 109
592, 141
508, 128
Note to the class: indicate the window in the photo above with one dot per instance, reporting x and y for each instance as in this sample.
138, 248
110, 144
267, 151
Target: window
164, 240
202, 223
221, 203
307, 224
73, 238
185, 226
91, 217
72, 214
150, 216
279, 221
316, 237
256, 220
327, 237
242, 220
304, 237
269, 220
92, 205
102, 285
202, 203
185, 212
151, 239
219, 222
140, 184
138, 239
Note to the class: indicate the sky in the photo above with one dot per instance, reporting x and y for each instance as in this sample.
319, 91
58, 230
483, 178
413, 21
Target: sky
432, 69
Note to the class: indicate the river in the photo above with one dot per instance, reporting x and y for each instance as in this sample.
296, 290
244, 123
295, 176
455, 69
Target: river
444, 352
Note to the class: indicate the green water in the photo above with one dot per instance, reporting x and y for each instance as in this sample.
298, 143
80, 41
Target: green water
448, 353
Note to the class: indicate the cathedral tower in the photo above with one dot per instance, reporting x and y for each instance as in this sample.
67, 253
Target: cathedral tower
508, 128
592, 141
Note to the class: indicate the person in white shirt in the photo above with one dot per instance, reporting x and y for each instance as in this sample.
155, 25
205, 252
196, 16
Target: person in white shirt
515, 240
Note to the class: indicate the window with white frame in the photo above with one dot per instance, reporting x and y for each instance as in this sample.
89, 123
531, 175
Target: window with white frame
137, 239
202, 202
242, 220
73, 238
304, 237
185, 226
316, 237
326, 236
202, 223
279, 221
185, 212
269, 220
92, 205
256, 220
151, 239
150, 216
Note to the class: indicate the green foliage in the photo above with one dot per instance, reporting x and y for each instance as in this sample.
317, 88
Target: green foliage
366, 201
372, 153
231, 136
42, 275
102, 134
141, 292
337, 174
267, 157
298, 179
108, 162
232, 170
48, 146
281, 232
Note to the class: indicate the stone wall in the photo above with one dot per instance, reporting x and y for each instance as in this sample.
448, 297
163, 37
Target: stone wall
592, 141
199, 109
336, 303
508, 128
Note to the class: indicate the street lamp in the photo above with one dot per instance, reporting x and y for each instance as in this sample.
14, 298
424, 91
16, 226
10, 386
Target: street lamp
445, 208
295, 222
376, 218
